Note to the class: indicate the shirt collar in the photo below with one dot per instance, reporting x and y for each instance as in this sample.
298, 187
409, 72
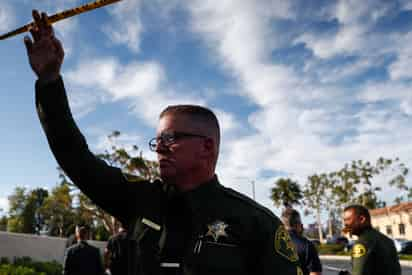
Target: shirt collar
201, 196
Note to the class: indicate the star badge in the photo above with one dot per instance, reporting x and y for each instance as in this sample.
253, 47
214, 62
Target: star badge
216, 230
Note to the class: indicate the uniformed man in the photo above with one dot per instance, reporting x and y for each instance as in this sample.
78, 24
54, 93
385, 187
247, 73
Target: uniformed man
373, 253
82, 258
308, 255
116, 253
71, 240
187, 223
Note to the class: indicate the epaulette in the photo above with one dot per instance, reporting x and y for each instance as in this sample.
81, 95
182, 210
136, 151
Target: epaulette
239, 196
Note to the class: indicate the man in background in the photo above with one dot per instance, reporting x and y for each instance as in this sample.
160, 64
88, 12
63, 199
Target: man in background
116, 253
82, 258
373, 253
308, 255
72, 240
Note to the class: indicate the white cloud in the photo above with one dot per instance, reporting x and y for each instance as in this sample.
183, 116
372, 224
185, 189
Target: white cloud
66, 30
127, 26
341, 72
353, 36
4, 205
406, 107
303, 127
7, 17
227, 122
400, 69
406, 4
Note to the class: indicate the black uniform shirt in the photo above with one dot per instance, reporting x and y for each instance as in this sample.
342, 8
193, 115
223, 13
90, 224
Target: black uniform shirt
308, 255
374, 254
82, 259
118, 247
209, 230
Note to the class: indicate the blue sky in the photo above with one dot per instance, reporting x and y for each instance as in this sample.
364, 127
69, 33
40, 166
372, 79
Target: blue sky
300, 87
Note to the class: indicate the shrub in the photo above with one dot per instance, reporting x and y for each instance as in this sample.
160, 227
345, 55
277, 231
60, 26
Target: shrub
405, 257
8, 269
28, 265
331, 248
4, 260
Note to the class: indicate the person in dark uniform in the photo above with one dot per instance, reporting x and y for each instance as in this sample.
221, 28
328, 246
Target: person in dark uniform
82, 258
308, 255
373, 253
185, 223
71, 240
116, 253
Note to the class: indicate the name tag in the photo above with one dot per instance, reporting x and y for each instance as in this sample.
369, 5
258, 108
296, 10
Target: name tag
151, 224
172, 265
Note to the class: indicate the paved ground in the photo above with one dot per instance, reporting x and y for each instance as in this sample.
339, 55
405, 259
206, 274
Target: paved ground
346, 265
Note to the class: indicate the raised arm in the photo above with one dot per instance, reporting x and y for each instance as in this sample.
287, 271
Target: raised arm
105, 185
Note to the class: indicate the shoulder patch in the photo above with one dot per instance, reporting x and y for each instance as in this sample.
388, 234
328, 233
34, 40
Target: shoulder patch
358, 250
284, 245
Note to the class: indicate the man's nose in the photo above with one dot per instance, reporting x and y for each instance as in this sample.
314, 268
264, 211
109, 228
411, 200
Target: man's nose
160, 147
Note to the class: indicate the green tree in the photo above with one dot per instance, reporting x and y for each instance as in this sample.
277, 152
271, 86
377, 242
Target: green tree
3, 223
36, 200
131, 160
24, 210
286, 192
57, 211
315, 197
33, 220
17, 204
353, 183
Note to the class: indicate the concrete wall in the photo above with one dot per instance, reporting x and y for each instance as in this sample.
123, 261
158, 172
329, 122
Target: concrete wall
39, 248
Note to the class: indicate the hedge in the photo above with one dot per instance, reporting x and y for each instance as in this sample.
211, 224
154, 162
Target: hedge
26, 266
331, 249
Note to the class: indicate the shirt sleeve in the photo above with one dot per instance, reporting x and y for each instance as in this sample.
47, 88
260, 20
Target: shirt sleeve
100, 269
314, 264
278, 254
67, 262
109, 245
105, 185
361, 256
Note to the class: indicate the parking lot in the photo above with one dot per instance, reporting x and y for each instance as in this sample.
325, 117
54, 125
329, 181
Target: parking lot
345, 264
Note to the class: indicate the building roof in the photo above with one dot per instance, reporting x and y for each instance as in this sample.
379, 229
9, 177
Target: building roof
402, 207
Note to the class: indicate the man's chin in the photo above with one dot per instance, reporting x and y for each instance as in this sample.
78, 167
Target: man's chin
168, 177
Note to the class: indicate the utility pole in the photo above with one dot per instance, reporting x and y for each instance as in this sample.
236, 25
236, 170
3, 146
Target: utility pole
252, 182
253, 190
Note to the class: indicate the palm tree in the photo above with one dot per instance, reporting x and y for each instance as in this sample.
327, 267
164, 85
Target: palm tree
286, 192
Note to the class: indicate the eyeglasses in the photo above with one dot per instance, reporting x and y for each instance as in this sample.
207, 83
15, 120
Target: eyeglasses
168, 139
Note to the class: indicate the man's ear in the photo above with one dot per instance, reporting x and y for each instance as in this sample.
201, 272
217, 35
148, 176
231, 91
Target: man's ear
362, 219
209, 146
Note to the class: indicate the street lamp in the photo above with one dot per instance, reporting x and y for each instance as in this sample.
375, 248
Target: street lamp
252, 183
253, 190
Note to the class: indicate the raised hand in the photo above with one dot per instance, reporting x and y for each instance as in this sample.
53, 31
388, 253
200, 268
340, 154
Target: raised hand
45, 51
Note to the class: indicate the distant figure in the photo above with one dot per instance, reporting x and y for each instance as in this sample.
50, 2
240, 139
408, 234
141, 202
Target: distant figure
373, 253
116, 253
82, 258
308, 255
72, 240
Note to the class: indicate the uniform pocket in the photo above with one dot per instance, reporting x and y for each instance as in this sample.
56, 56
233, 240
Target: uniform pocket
213, 256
